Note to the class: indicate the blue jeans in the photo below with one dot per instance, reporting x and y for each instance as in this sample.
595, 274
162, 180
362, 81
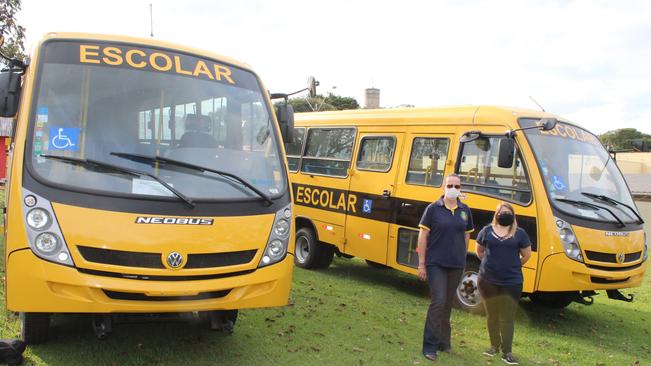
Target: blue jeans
443, 284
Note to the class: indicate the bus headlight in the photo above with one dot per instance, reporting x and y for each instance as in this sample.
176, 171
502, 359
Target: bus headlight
276, 248
43, 232
47, 243
569, 241
646, 249
281, 228
38, 219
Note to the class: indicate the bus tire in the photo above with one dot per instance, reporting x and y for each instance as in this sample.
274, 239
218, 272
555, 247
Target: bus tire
376, 265
552, 300
467, 295
34, 327
310, 253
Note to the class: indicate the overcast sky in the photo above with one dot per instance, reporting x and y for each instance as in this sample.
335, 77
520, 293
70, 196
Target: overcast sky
589, 61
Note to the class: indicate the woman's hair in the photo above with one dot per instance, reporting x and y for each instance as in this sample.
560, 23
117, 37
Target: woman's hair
514, 226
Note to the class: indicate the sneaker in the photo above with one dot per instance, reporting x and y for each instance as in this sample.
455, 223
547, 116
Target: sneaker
509, 359
491, 351
445, 349
430, 356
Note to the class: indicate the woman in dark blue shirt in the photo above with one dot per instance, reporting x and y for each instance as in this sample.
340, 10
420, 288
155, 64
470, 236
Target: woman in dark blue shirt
503, 249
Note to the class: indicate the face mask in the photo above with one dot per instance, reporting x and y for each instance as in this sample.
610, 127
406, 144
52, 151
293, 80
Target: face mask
452, 193
505, 219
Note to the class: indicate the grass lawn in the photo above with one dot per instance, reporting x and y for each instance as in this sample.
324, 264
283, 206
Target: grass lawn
351, 314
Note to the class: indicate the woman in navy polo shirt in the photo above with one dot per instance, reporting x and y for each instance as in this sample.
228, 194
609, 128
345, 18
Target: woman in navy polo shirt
443, 239
503, 248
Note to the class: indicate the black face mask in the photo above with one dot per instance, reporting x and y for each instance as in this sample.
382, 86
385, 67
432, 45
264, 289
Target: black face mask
505, 219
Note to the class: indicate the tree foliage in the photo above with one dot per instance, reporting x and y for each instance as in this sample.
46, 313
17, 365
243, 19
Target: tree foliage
626, 138
13, 33
331, 102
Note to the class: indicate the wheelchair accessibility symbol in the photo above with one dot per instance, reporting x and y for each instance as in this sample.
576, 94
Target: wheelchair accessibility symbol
558, 183
64, 138
368, 205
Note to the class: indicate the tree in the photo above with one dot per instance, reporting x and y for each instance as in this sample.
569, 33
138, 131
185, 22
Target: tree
626, 138
341, 103
320, 103
13, 33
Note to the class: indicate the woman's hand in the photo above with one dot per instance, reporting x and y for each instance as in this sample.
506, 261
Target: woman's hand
422, 272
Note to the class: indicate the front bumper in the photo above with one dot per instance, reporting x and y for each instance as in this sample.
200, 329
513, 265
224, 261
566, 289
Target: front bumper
559, 273
34, 285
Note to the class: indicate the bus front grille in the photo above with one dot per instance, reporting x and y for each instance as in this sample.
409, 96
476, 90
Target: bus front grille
138, 296
209, 260
611, 257
121, 257
155, 260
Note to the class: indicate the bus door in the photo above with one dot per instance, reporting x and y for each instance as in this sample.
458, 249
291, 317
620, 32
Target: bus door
486, 183
372, 182
427, 158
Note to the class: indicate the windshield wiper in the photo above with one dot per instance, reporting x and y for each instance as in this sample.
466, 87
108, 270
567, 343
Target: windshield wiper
593, 206
615, 202
115, 168
159, 159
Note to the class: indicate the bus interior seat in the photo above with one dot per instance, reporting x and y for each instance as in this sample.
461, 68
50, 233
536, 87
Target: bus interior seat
197, 127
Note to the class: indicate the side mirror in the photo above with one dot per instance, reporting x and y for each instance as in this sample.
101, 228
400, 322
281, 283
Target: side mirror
470, 136
9, 93
506, 153
285, 116
548, 124
311, 86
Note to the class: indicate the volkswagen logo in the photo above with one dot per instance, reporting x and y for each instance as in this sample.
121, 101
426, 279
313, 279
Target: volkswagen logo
621, 257
175, 259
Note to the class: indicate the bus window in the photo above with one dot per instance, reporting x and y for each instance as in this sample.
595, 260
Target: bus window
328, 151
294, 149
479, 171
427, 161
376, 153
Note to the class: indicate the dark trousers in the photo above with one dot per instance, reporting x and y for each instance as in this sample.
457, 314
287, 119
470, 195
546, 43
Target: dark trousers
443, 284
501, 303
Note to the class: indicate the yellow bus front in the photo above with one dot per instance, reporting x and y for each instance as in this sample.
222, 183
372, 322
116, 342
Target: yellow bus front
145, 178
591, 233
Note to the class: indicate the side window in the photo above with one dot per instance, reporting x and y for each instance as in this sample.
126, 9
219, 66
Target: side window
427, 161
294, 149
328, 151
376, 153
479, 171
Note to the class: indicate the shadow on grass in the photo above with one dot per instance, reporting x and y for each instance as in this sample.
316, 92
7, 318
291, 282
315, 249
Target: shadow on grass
138, 342
382, 277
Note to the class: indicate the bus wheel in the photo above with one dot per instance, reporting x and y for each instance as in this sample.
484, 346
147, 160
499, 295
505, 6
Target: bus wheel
34, 327
310, 253
376, 265
467, 295
553, 300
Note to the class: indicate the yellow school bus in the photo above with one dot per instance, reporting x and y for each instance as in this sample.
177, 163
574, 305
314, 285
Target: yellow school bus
362, 179
145, 177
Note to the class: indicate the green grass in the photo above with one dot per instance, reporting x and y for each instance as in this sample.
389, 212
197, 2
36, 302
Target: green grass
351, 314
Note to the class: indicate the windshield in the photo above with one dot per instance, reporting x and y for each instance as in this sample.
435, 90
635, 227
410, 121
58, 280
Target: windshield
576, 167
97, 101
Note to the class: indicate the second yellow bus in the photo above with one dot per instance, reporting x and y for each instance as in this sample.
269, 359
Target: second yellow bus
362, 179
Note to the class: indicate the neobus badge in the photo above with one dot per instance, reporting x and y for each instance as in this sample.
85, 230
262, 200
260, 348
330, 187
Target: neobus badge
616, 233
172, 221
